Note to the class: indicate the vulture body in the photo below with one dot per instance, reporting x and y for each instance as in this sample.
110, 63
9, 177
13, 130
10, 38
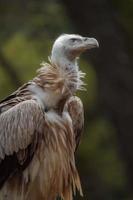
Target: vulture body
40, 128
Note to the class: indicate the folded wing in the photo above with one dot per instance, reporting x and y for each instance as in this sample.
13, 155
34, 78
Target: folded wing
20, 129
75, 108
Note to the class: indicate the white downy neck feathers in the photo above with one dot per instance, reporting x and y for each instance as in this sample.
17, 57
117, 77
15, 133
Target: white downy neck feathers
65, 51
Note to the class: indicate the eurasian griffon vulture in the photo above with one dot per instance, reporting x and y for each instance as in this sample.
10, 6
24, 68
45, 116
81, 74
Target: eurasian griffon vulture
40, 128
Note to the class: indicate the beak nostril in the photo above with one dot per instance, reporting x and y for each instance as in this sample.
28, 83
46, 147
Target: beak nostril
85, 39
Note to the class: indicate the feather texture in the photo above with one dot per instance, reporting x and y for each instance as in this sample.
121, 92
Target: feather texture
39, 144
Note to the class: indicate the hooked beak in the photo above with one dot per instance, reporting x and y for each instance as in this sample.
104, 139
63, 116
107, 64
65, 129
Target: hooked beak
90, 43
85, 44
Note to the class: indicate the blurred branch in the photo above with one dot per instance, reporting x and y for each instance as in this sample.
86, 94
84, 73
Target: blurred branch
9, 70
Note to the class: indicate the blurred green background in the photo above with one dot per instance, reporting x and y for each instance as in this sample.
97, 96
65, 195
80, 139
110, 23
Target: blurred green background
27, 31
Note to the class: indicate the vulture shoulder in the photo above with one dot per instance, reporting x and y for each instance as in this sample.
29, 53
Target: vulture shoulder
20, 127
74, 107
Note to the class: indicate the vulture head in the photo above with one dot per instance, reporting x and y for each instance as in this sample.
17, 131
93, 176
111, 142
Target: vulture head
68, 47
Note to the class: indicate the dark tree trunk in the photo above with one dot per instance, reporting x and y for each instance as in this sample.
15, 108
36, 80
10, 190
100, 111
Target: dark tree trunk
113, 66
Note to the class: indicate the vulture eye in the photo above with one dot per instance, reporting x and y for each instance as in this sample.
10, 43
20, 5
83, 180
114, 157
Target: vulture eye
75, 39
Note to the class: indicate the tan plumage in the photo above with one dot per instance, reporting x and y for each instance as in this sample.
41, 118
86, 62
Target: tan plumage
40, 128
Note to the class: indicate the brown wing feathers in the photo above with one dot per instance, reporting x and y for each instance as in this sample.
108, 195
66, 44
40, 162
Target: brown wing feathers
19, 130
12, 164
75, 108
21, 125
